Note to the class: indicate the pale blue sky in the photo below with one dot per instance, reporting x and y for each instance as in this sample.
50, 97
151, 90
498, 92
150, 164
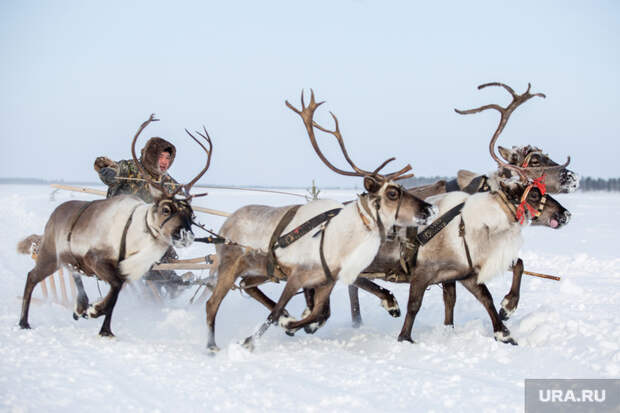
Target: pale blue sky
78, 78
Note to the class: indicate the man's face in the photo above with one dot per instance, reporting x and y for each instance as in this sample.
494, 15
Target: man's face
164, 161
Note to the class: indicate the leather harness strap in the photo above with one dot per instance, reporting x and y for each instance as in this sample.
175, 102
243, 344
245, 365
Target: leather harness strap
284, 241
415, 240
506, 205
75, 220
123, 247
272, 262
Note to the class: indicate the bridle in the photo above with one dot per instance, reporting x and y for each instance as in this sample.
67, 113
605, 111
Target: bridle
538, 183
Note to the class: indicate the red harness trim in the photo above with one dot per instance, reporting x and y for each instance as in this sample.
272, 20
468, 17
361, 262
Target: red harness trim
538, 183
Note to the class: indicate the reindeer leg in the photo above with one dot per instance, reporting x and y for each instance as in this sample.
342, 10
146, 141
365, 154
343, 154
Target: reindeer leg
111, 297
81, 302
319, 313
107, 270
228, 269
354, 299
290, 289
46, 265
388, 301
417, 289
449, 300
259, 296
481, 292
511, 300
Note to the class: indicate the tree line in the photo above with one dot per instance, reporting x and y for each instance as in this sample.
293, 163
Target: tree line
599, 184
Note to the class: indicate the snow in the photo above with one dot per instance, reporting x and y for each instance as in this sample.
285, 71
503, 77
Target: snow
158, 360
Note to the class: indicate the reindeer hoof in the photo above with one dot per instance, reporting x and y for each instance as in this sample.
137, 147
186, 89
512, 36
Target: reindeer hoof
392, 308
357, 322
106, 333
76, 317
312, 328
212, 350
24, 325
248, 344
405, 338
504, 337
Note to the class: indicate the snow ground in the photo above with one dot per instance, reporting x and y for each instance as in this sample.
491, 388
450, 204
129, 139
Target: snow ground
158, 360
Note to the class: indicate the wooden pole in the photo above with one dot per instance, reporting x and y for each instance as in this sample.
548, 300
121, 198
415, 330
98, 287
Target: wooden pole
63, 287
103, 193
537, 274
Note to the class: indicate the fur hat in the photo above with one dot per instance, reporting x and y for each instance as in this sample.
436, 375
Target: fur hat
151, 151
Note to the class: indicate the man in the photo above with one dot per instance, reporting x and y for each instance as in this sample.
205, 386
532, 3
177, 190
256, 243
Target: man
124, 177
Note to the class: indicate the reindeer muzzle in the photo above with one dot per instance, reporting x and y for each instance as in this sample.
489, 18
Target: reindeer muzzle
182, 238
569, 181
559, 219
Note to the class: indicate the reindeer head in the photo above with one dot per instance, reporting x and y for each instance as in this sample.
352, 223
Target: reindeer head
534, 205
535, 162
170, 217
530, 163
392, 204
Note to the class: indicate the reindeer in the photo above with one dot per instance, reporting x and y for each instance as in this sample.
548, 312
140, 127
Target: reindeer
529, 161
117, 239
346, 243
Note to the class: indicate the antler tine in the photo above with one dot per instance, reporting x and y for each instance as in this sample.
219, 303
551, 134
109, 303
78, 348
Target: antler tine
395, 176
336, 133
307, 113
143, 172
383, 165
505, 113
209, 152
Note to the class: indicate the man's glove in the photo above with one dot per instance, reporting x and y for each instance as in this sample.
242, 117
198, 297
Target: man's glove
108, 176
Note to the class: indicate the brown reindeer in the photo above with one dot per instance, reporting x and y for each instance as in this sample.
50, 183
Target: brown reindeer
348, 240
528, 161
115, 239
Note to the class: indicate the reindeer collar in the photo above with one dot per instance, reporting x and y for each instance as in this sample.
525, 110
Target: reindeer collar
148, 228
509, 208
365, 219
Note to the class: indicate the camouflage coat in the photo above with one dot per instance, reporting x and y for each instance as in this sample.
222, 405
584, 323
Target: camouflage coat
129, 180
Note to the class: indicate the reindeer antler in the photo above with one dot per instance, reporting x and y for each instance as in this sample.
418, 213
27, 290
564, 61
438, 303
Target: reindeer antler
517, 100
307, 114
209, 151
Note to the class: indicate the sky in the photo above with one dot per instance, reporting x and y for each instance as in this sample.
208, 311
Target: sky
79, 77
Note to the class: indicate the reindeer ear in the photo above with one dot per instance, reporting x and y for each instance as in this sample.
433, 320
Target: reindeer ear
371, 184
504, 152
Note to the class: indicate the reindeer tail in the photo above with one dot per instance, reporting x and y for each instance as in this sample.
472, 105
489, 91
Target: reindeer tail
29, 245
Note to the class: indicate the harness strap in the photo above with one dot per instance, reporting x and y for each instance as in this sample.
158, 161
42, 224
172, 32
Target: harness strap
272, 262
410, 248
75, 220
292, 236
462, 235
506, 205
123, 247
326, 270
478, 184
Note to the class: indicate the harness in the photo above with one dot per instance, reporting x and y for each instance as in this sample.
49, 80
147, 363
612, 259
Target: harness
79, 266
409, 249
278, 241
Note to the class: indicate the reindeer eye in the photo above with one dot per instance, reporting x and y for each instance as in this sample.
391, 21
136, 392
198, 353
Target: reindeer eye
535, 161
165, 210
392, 194
534, 195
